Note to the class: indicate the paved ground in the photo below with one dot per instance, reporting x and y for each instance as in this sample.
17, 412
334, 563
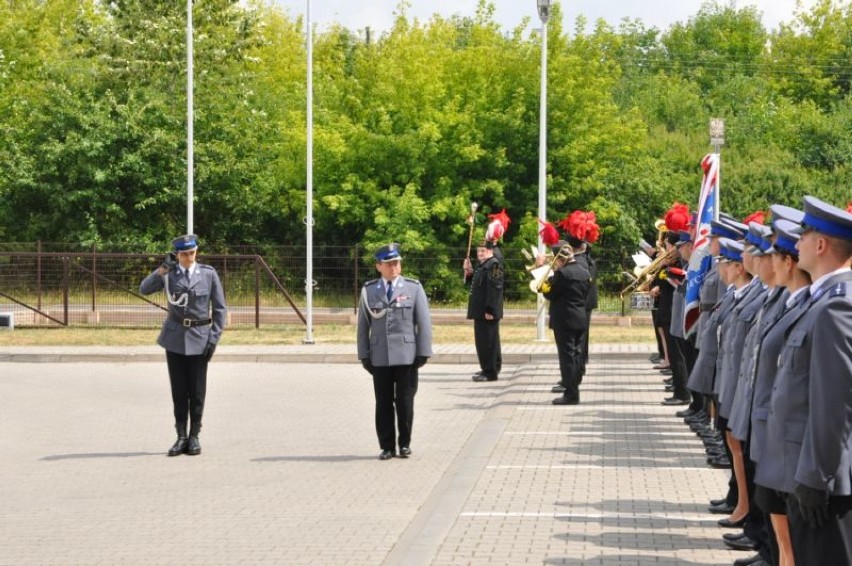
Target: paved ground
289, 473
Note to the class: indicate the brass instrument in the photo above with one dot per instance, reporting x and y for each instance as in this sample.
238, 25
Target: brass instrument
540, 274
641, 281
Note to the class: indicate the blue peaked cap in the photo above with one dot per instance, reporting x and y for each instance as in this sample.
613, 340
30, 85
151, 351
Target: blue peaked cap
826, 219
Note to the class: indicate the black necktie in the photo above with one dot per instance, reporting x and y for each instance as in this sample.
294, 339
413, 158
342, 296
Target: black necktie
390, 291
186, 274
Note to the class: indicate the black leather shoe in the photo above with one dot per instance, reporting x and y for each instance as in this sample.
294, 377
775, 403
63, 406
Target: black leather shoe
728, 524
557, 389
756, 560
675, 401
669, 381
733, 536
179, 447
482, 377
669, 388
193, 447
743, 543
719, 463
666, 371
387, 454
685, 413
718, 501
566, 401
721, 509
404, 451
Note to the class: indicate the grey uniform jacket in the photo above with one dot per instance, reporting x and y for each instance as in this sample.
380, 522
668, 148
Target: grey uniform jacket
393, 333
711, 292
740, 419
766, 370
811, 405
734, 332
703, 374
205, 294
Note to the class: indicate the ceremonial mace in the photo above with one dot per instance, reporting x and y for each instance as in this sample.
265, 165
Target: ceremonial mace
472, 221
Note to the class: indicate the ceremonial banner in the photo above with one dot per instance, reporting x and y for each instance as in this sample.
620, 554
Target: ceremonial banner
701, 262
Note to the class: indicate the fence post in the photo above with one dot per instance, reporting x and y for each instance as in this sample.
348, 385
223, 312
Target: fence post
355, 282
66, 281
94, 277
38, 274
256, 291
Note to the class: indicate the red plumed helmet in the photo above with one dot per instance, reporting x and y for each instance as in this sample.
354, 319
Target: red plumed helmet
549, 234
497, 226
677, 217
849, 207
581, 226
757, 217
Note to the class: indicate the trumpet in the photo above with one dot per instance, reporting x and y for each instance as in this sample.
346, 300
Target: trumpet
541, 273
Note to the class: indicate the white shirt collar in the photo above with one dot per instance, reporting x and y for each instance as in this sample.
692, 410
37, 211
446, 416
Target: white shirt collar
816, 285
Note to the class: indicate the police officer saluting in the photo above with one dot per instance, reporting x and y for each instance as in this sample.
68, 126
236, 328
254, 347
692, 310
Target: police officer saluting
189, 334
394, 341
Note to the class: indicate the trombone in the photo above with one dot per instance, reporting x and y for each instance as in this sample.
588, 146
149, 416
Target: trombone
541, 273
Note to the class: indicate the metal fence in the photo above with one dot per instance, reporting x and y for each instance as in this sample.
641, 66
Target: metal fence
48, 284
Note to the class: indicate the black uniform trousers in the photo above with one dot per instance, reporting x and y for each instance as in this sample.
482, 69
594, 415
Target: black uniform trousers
188, 378
394, 385
677, 361
829, 544
569, 346
486, 336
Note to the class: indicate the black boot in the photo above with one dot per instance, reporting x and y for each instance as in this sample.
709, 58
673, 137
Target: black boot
193, 447
179, 447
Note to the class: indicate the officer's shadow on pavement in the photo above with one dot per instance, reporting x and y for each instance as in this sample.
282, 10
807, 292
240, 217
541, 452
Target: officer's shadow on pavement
96, 455
657, 560
315, 458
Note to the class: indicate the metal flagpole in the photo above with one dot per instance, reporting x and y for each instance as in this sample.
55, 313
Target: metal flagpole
190, 157
544, 14
309, 220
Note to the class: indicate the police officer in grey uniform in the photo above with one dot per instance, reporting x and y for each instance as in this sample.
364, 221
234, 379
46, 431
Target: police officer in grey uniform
394, 341
809, 427
194, 324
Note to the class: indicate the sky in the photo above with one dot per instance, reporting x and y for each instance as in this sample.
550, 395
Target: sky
378, 14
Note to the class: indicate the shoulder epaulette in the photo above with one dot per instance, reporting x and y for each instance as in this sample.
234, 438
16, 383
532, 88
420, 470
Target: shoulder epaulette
205, 266
370, 282
415, 281
838, 290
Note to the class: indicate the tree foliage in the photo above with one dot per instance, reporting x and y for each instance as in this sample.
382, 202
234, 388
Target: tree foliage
410, 127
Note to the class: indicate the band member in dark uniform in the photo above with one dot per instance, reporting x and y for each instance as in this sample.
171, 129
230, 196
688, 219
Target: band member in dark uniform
567, 290
485, 308
190, 333
394, 341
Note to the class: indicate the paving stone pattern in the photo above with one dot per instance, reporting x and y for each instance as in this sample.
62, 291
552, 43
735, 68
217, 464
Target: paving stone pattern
289, 475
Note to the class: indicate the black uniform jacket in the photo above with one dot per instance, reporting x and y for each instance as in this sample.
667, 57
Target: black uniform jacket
486, 290
569, 288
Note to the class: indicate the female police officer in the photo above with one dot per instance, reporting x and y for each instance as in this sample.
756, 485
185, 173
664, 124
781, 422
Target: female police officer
189, 333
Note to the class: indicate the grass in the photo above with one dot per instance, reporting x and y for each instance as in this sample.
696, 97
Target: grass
295, 334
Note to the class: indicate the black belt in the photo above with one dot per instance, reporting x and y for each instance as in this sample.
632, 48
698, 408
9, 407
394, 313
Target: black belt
189, 323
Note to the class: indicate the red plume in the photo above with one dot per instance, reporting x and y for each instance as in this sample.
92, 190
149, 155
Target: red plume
757, 217
849, 207
677, 217
502, 217
581, 226
549, 234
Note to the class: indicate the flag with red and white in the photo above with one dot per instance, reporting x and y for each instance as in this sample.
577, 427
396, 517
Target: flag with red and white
700, 262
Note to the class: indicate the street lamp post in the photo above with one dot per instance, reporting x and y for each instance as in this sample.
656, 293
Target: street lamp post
309, 217
544, 14
190, 141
